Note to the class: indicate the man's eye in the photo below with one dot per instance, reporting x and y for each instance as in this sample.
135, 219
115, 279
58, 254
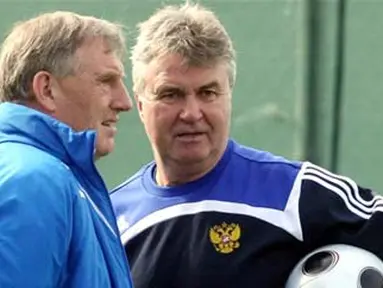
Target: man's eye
209, 94
106, 80
110, 79
170, 95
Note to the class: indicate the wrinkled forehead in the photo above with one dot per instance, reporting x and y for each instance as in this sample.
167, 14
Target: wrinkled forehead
173, 70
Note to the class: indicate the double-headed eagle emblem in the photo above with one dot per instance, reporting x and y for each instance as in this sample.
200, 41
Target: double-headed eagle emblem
225, 237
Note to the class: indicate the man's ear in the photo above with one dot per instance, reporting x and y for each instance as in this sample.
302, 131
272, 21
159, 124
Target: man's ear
139, 105
42, 85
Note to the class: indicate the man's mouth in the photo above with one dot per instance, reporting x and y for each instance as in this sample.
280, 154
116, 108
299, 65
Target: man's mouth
190, 136
109, 123
189, 133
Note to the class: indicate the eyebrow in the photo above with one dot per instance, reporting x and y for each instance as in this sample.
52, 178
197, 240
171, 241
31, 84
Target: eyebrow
166, 87
170, 87
212, 84
110, 73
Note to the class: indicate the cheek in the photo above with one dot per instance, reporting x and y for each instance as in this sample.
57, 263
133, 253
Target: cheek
74, 114
218, 114
158, 120
97, 107
88, 115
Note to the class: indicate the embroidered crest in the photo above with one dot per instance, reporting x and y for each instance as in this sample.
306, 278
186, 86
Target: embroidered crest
225, 237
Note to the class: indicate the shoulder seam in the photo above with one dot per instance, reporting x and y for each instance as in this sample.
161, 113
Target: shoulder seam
128, 180
279, 162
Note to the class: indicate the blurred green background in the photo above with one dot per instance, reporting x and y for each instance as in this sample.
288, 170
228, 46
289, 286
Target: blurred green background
308, 84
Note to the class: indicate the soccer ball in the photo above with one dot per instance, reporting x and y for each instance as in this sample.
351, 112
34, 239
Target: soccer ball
337, 266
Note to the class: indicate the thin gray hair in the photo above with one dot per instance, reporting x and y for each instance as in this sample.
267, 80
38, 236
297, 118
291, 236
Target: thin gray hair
49, 42
189, 30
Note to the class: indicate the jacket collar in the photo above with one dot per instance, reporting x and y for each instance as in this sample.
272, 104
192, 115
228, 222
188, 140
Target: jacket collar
21, 124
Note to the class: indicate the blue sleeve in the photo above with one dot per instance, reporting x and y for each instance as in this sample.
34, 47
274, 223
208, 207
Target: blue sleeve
334, 209
35, 225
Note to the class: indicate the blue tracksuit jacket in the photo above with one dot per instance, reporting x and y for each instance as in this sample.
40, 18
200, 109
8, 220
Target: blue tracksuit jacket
57, 226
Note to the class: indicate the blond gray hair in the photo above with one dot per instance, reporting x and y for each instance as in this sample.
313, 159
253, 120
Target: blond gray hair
189, 30
48, 42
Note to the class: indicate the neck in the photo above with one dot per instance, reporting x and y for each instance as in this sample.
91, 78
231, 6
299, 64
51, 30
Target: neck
33, 104
172, 172
172, 177
180, 173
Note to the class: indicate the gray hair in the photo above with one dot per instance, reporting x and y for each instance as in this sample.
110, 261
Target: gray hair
49, 42
189, 30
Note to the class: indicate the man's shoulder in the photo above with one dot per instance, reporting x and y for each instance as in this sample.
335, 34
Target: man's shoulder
132, 181
26, 168
263, 179
26, 159
264, 160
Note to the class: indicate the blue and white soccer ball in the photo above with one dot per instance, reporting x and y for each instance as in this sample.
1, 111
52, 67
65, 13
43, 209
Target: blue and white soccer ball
337, 266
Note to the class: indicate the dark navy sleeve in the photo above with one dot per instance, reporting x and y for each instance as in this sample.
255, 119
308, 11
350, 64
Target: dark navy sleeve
334, 209
35, 220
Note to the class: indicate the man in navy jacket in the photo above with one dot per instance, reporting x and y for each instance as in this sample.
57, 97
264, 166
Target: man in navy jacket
209, 212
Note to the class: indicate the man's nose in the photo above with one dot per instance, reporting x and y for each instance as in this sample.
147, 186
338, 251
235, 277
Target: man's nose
122, 100
191, 110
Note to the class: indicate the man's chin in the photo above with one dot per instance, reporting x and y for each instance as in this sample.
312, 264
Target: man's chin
103, 150
190, 158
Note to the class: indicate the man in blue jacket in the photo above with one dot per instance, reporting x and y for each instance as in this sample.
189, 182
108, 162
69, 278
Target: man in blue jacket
61, 88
